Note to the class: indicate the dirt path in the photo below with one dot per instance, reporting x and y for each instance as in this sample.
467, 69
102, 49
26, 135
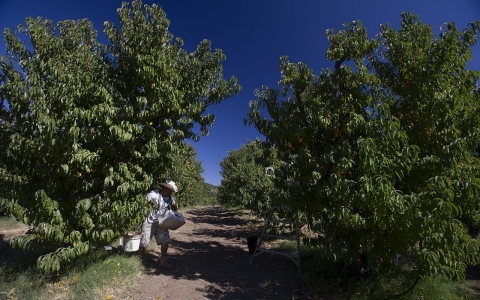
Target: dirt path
211, 261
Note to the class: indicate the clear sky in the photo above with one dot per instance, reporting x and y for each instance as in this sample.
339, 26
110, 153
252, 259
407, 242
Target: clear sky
253, 34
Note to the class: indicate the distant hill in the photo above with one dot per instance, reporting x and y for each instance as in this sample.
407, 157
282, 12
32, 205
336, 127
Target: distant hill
211, 186
212, 189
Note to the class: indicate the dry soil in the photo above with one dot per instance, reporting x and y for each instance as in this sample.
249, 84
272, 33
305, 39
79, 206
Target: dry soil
211, 261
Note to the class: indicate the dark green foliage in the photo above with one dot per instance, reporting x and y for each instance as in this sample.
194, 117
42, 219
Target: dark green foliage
87, 128
472, 222
383, 145
187, 175
244, 181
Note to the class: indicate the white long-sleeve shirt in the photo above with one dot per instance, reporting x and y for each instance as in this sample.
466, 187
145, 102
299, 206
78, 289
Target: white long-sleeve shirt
161, 202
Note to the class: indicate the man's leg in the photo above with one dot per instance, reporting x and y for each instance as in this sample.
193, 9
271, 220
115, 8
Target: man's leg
164, 249
163, 259
146, 238
163, 238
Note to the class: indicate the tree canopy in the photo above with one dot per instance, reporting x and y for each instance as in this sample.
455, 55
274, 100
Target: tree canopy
187, 171
87, 128
244, 179
383, 145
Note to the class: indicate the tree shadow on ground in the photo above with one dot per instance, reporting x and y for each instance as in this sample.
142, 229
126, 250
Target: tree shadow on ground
7, 253
226, 267
5, 249
229, 271
473, 278
218, 216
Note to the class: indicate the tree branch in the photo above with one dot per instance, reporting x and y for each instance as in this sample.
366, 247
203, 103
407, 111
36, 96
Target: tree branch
306, 121
339, 62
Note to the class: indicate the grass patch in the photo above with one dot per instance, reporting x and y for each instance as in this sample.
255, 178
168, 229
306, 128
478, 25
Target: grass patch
109, 276
98, 275
330, 279
398, 280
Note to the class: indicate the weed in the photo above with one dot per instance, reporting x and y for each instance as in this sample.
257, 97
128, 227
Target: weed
266, 283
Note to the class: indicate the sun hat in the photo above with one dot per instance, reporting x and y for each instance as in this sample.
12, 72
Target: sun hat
170, 184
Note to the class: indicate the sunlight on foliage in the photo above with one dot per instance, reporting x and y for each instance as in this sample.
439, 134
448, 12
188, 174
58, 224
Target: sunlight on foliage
87, 128
382, 149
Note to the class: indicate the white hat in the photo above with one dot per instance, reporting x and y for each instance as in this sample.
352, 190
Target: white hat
170, 184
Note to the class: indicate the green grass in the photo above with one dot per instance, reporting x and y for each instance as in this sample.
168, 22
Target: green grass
98, 275
106, 277
334, 279
399, 280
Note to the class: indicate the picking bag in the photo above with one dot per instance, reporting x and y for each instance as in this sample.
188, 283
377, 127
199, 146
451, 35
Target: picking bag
171, 220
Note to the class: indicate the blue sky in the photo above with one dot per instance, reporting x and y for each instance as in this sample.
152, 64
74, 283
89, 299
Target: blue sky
253, 34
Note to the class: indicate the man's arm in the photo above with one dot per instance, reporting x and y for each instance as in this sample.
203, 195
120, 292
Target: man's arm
174, 207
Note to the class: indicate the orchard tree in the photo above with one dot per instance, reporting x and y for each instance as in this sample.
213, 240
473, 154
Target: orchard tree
87, 128
382, 146
245, 182
186, 173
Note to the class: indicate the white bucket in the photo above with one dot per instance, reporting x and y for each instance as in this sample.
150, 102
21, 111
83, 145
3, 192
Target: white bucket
131, 242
